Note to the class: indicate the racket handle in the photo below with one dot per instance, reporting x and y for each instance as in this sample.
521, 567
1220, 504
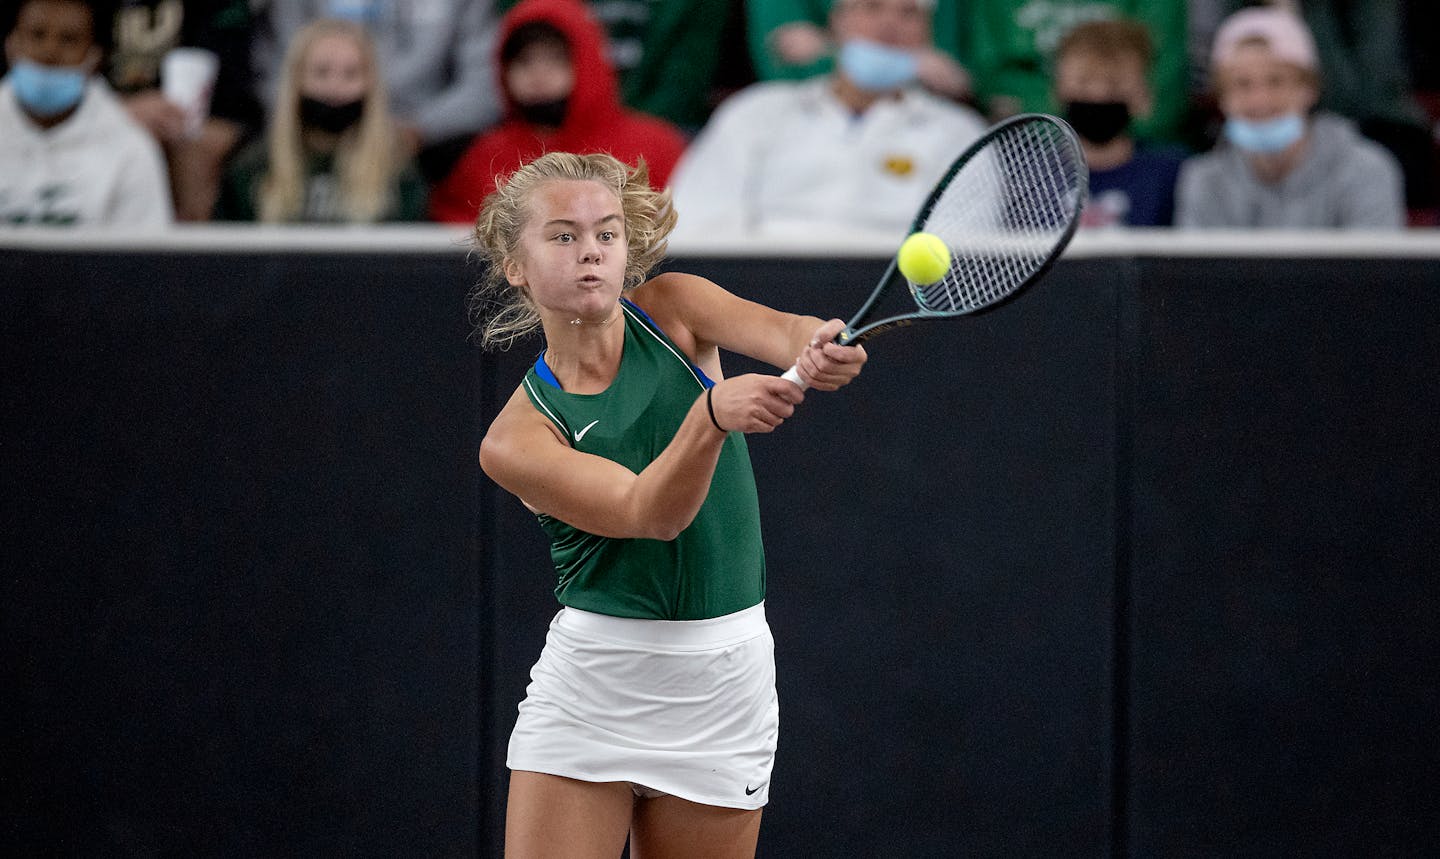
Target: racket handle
791, 375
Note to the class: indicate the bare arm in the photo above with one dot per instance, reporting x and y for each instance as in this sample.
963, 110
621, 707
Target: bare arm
703, 318
525, 454
528, 456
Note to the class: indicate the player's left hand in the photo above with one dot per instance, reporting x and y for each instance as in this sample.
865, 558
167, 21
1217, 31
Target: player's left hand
826, 365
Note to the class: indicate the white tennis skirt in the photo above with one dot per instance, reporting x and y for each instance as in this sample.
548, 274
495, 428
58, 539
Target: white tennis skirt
686, 708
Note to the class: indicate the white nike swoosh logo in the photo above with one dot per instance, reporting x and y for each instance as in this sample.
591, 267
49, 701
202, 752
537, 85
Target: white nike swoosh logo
579, 434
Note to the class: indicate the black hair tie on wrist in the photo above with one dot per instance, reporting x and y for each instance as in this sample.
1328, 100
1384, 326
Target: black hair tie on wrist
710, 407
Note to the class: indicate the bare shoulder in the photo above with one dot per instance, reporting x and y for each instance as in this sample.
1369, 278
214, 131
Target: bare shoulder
516, 429
700, 315
687, 299
675, 302
672, 293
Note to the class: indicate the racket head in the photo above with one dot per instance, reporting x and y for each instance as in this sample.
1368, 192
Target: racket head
1006, 208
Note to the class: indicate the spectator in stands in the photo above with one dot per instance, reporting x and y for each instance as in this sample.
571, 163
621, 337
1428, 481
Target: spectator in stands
1281, 166
332, 152
69, 153
1368, 78
788, 41
859, 148
437, 57
1101, 86
1011, 45
560, 95
669, 54
143, 32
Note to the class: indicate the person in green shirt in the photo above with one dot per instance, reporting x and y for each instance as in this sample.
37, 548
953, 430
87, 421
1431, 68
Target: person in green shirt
651, 714
331, 153
1010, 46
789, 40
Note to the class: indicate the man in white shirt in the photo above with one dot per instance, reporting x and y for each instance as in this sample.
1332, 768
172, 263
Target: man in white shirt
69, 153
855, 150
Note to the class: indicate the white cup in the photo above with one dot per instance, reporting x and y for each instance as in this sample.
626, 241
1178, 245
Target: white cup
187, 78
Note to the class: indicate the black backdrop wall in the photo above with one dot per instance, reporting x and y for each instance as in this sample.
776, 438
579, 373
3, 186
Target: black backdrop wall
1141, 563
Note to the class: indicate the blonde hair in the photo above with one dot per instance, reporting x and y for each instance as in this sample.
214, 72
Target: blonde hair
503, 314
366, 155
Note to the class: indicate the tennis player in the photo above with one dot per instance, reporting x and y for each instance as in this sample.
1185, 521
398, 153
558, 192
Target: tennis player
651, 713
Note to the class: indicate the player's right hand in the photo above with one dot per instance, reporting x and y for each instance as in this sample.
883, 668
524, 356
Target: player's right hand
754, 402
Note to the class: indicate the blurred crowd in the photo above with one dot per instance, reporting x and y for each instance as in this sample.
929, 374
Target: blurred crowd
764, 117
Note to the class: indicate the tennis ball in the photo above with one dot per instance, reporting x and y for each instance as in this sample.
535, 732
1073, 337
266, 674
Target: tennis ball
924, 258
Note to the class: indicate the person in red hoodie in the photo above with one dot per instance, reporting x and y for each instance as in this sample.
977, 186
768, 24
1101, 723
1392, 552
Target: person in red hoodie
561, 95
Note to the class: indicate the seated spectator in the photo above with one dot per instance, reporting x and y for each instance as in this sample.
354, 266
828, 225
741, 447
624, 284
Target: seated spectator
1280, 166
858, 148
437, 57
1369, 78
788, 41
670, 55
332, 153
143, 33
69, 153
560, 96
1101, 87
1011, 46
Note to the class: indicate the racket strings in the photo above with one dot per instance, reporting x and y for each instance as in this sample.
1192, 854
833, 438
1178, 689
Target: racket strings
1003, 214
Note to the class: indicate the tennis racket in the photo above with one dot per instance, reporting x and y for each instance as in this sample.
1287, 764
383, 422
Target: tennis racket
1006, 209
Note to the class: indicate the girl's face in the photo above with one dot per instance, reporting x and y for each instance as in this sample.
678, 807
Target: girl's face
1257, 85
334, 71
572, 252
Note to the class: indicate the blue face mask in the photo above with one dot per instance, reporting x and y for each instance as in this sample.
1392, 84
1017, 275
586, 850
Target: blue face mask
1269, 136
47, 90
876, 67
359, 11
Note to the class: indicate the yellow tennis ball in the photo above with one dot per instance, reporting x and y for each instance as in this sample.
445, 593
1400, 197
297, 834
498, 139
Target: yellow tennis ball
924, 258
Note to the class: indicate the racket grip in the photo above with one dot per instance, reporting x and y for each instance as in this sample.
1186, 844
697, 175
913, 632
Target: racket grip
792, 376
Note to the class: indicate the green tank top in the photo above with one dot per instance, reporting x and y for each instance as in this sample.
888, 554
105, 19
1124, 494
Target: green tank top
716, 566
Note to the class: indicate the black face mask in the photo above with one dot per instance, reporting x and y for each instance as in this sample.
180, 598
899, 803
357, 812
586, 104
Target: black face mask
1098, 121
330, 118
547, 113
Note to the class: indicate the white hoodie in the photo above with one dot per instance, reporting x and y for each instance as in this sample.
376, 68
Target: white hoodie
97, 168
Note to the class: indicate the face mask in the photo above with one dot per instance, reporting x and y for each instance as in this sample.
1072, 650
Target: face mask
330, 118
1272, 135
47, 90
1098, 121
876, 67
359, 11
548, 113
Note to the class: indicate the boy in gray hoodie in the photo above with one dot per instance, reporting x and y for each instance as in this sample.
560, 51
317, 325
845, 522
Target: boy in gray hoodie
1281, 166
